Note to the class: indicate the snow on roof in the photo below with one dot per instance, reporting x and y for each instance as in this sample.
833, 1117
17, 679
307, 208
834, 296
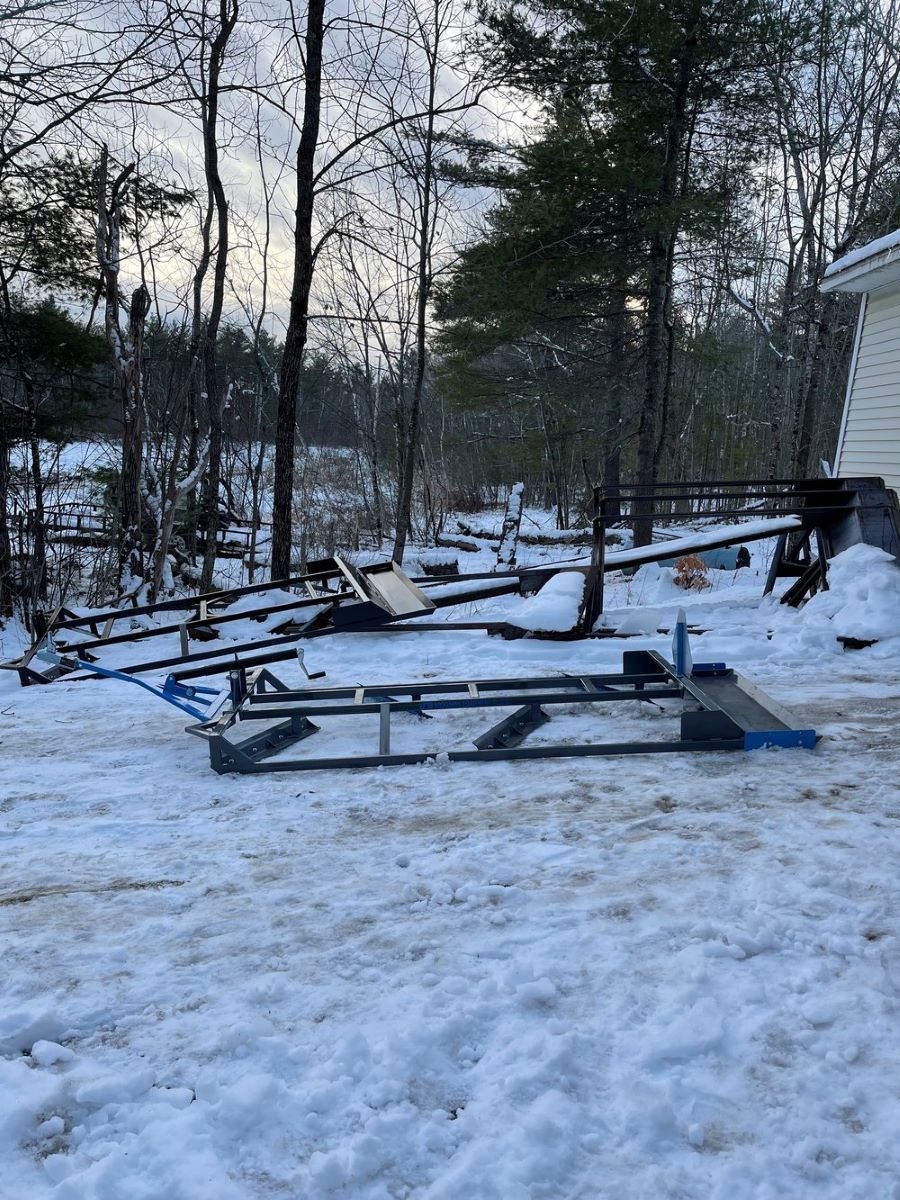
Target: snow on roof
861, 253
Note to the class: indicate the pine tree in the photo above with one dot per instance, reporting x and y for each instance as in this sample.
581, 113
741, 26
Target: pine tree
639, 100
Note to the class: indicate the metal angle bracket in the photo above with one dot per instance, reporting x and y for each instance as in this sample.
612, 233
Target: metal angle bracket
225, 756
513, 729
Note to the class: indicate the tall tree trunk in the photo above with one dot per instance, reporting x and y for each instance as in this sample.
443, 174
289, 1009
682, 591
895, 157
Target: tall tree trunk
131, 539
7, 584
656, 357
367, 406
377, 500
38, 582
298, 317
778, 381
657, 348
228, 14
611, 465
812, 400
412, 418
409, 433
35, 580
126, 351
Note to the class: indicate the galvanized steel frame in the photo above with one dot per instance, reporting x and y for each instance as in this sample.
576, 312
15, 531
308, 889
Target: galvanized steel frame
729, 714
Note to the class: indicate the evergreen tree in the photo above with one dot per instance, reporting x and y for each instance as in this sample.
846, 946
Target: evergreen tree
632, 155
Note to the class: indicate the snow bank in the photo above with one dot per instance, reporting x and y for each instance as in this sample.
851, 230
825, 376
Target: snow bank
555, 607
653, 584
863, 597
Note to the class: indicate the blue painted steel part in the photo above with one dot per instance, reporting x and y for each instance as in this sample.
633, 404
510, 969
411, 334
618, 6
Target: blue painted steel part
172, 691
681, 647
761, 740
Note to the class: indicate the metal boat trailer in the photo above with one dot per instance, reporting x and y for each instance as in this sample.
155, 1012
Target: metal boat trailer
721, 711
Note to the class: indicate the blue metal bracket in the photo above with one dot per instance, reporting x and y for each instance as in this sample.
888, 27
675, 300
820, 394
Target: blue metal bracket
761, 740
172, 691
681, 647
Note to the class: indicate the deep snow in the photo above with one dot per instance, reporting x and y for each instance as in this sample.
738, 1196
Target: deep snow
639, 978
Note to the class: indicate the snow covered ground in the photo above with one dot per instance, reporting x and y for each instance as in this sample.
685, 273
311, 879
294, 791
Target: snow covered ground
654, 977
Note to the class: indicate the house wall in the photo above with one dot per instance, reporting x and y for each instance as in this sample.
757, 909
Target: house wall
870, 436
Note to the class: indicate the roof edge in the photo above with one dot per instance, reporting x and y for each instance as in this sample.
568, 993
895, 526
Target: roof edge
866, 268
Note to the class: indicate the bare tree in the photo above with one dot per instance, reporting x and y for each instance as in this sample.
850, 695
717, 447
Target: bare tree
217, 209
378, 104
421, 169
298, 318
63, 63
126, 351
837, 114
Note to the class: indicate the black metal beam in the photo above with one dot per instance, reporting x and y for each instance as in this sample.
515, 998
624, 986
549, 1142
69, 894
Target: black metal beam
138, 635
837, 495
249, 664
581, 750
188, 603
494, 701
652, 674
800, 484
786, 510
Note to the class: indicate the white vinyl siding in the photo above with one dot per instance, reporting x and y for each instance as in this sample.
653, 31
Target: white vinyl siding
871, 436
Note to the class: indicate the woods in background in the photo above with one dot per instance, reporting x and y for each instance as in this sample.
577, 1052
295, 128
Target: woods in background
647, 292
546, 241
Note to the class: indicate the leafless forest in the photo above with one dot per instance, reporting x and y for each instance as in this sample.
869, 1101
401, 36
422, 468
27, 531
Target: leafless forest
337, 270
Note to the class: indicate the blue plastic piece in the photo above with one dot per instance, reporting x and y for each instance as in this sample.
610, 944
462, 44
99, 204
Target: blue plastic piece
761, 739
722, 558
710, 669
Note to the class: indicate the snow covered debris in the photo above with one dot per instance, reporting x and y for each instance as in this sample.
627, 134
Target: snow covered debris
45, 1054
637, 620
509, 534
433, 558
863, 597
555, 608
